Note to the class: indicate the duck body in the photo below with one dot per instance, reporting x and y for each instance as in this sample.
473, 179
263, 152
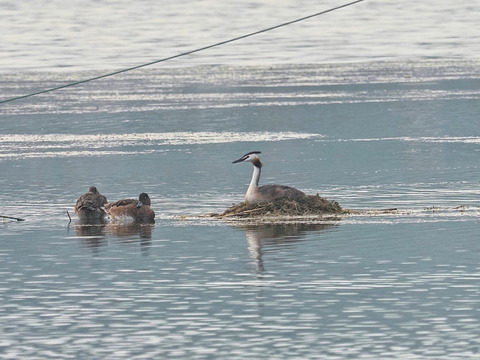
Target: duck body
91, 205
138, 210
265, 193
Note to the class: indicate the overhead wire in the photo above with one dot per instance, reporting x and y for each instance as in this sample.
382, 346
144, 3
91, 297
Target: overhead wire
183, 53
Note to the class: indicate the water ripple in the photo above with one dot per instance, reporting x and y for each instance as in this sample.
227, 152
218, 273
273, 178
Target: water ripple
20, 146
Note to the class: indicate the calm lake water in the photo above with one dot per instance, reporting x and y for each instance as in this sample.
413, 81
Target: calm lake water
402, 133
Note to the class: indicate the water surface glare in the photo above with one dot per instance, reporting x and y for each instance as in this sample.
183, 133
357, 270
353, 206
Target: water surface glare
384, 285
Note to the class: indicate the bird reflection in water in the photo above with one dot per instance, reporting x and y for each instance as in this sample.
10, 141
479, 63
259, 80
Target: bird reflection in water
129, 232
96, 234
91, 232
275, 236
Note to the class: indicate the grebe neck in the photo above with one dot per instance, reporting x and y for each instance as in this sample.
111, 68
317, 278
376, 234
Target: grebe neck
255, 176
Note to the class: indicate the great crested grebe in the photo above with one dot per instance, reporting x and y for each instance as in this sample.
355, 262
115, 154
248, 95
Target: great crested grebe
255, 193
138, 210
91, 205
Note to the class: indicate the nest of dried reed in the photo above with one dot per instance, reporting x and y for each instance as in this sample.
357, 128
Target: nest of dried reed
307, 206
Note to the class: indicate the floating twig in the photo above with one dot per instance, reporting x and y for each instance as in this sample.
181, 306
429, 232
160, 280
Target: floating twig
69, 217
11, 217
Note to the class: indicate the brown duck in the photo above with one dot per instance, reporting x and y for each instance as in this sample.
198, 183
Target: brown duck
91, 205
137, 210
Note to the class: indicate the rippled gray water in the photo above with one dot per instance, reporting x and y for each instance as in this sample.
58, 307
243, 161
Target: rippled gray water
97, 35
371, 135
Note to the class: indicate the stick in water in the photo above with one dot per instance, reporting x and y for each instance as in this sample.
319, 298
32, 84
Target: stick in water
11, 217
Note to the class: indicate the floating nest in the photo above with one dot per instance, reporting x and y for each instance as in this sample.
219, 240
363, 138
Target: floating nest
311, 205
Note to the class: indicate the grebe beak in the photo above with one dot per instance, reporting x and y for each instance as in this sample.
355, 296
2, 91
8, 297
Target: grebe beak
239, 160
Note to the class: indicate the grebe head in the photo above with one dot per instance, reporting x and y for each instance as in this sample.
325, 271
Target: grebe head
252, 157
143, 199
93, 190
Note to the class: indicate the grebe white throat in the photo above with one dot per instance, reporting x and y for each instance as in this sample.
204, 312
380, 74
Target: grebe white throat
253, 187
